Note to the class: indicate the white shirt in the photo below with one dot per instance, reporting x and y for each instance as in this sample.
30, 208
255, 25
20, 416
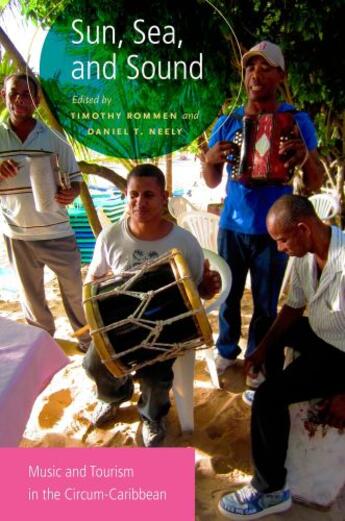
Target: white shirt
19, 218
324, 298
118, 250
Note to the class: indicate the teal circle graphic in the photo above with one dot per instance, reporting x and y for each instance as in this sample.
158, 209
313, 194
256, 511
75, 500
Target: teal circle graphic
133, 79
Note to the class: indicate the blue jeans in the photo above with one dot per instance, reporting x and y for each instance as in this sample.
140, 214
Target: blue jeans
257, 254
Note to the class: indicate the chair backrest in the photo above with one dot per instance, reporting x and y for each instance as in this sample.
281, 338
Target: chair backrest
326, 206
219, 264
204, 226
179, 206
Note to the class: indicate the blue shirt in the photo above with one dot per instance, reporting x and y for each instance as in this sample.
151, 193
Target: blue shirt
246, 208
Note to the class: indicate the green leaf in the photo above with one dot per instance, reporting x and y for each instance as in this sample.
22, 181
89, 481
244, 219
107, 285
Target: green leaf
3, 4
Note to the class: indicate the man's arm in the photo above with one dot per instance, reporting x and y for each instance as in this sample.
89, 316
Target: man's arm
313, 172
211, 282
99, 266
66, 196
213, 162
211, 172
286, 318
69, 169
8, 168
301, 152
93, 278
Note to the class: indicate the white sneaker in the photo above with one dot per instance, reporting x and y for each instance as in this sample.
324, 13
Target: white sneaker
248, 397
153, 432
254, 379
104, 412
224, 363
249, 503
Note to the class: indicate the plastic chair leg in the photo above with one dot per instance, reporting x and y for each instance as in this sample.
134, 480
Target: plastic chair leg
286, 279
183, 387
211, 365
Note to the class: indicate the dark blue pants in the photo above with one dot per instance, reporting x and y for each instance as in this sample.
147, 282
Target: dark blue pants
155, 383
317, 373
257, 254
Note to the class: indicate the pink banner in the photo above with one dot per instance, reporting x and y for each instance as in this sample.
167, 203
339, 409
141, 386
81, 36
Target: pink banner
58, 484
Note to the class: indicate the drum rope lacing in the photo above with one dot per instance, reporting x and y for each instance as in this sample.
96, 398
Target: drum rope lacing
167, 350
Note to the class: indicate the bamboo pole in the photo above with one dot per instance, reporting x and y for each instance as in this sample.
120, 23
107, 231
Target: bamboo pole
105, 173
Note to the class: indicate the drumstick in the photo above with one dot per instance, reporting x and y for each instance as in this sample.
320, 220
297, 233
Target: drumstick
81, 331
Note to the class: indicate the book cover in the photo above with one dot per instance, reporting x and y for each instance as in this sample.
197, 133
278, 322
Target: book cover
130, 82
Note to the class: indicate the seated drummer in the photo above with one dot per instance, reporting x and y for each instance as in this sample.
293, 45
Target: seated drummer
143, 236
318, 283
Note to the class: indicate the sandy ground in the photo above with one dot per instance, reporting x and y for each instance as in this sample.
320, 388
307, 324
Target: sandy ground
61, 418
61, 414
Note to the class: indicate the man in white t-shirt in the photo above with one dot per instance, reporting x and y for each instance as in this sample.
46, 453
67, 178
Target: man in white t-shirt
143, 236
36, 238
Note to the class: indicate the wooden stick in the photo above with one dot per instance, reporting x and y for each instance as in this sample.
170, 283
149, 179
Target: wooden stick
81, 331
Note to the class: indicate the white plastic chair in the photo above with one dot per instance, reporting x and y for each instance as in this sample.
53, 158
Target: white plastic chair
178, 206
204, 226
183, 367
326, 207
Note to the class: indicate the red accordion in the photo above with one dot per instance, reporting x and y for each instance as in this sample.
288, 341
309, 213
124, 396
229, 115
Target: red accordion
259, 161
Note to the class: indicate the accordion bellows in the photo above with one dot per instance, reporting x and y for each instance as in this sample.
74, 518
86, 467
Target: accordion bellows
259, 160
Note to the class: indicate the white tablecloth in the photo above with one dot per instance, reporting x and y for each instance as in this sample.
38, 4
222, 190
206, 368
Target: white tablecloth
29, 357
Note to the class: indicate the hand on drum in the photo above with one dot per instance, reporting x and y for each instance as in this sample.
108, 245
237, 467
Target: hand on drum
211, 282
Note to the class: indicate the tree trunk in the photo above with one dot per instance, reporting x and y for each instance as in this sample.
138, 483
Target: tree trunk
105, 173
169, 169
85, 196
340, 191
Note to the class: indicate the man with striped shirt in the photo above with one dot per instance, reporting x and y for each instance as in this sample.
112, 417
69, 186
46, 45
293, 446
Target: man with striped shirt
318, 285
35, 238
